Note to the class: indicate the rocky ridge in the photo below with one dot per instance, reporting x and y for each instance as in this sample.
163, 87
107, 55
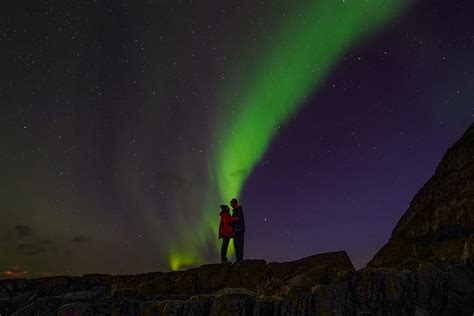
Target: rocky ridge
325, 284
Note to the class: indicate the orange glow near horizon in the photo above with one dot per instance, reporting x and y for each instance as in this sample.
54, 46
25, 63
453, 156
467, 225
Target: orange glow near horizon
13, 274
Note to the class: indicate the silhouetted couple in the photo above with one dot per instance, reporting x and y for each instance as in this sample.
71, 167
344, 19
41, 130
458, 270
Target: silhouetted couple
232, 226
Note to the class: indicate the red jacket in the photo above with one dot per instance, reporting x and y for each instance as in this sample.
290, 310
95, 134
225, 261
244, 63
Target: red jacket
225, 226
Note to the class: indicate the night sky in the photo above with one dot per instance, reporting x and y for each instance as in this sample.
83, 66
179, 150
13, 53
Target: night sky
125, 124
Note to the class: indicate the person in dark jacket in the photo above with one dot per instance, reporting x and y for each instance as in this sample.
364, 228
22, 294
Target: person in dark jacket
226, 230
239, 229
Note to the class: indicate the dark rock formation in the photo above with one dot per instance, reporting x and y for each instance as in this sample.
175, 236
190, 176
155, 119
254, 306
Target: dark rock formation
440, 218
247, 288
327, 286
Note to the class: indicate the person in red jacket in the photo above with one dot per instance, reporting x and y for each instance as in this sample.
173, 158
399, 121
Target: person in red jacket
226, 231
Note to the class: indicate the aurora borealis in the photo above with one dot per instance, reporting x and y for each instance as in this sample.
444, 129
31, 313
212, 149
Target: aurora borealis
127, 124
307, 44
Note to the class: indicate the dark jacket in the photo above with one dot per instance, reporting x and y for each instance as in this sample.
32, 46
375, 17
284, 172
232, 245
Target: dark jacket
239, 225
225, 226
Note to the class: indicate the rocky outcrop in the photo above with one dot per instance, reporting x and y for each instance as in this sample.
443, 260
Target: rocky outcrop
219, 289
324, 284
440, 218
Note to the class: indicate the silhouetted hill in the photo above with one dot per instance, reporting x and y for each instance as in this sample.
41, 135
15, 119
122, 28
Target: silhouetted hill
440, 218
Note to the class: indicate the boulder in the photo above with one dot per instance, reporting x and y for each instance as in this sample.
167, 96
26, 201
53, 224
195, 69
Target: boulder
55, 285
124, 293
268, 305
76, 309
12, 285
198, 305
162, 308
156, 287
164, 284
122, 307
233, 301
335, 261
304, 282
132, 281
249, 274
82, 295
204, 279
44, 306
10, 304
325, 301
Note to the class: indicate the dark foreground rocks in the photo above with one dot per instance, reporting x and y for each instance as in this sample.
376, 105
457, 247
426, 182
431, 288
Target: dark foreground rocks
218, 289
318, 290
324, 284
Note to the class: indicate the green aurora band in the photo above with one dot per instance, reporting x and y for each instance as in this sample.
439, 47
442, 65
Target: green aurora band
308, 43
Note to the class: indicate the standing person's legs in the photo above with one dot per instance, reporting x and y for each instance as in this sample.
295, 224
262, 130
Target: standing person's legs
242, 246
225, 244
239, 245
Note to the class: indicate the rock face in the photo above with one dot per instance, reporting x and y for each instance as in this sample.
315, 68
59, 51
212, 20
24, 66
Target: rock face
440, 218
